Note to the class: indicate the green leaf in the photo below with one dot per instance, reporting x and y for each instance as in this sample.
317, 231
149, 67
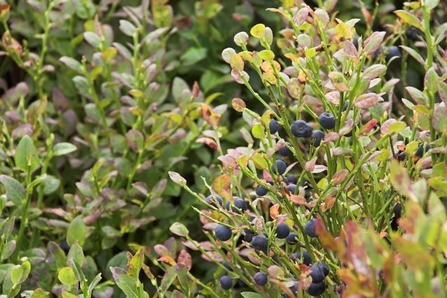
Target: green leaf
39, 293
439, 120
431, 4
267, 55
19, 273
126, 283
135, 263
431, 80
193, 55
258, 131
93, 39
26, 155
397, 126
409, 18
178, 85
251, 295
94, 283
127, 27
414, 54
67, 276
401, 180
179, 229
258, 30
177, 178
63, 148
50, 184
57, 254
8, 249
168, 279
14, 190
76, 254
71, 63
76, 231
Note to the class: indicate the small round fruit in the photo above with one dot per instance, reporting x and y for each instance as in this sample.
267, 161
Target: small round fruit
285, 151
301, 129
214, 200
316, 274
260, 243
64, 246
292, 238
274, 126
324, 268
261, 191
292, 179
239, 205
316, 289
260, 278
397, 211
292, 188
326, 120
393, 52
223, 233
226, 282
248, 235
302, 257
280, 167
309, 228
401, 155
422, 150
318, 136
282, 231
355, 41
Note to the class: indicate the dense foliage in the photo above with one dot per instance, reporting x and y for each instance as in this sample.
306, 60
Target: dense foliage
223, 148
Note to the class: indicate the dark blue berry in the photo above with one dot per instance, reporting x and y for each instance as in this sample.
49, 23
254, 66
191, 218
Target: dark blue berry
280, 167
422, 150
401, 155
282, 231
316, 289
285, 151
226, 282
292, 238
316, 274
223, 233
248, 235
302, 257
413, 34
64, 246
260, 278
309, 228
318, 136
292, 188
292, 179
261, 191
345, 105
260, 243
393, 52
214, 200
324, 268
326, 120
227, 266
355, 41
274, 126
397, 210
239, 204
301, 129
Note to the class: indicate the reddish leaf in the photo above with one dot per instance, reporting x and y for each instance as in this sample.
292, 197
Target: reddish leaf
184, 258
238, 104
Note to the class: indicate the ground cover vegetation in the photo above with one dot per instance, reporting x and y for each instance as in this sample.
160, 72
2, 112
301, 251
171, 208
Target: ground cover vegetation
223, 149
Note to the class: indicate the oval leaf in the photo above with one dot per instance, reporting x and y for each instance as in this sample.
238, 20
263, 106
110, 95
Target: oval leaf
63, 148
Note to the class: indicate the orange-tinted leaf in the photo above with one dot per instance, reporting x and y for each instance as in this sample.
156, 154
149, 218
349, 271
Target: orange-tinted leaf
238, 104
221, 183
167, 259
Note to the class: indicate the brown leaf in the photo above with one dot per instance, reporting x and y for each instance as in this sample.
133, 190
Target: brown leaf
184, 258
340, 176
238, 104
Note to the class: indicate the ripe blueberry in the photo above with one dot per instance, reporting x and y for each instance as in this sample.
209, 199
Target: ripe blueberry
64, 246
324, 268
301, 129
326, 120
422, 150
309, 228
345, 105
316, 274
274, 126
318, 136
292, 238
223, 233
226, 282
260, 243
292, 179
401, 155
285, 151
393, 52
316, 289
355, 41
302, 257
291, 188
261, 191
280, 167
214, 200
413, 34
248, 235
282, 231
239, 204
397, 211
260, 278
